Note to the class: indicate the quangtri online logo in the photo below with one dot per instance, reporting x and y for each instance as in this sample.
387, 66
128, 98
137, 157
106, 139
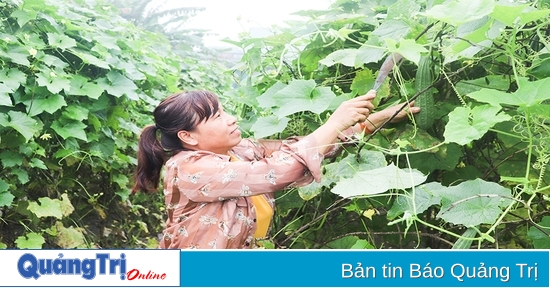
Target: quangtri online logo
92, 267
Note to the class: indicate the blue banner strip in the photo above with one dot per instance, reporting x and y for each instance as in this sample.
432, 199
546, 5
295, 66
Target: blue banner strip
365, 268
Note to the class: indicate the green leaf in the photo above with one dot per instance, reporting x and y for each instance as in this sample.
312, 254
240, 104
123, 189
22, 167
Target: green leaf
48, 103
462, 243
343, 56
446, 158
30, 241
5, 99
302, 95
66, 206
17, 54
70, 128
533, 15
466, 125
121, 179
394, 30
4, 186
498, 82
81, 87
6, 198
267, 126
266, 100
77, 113
311, 190
367, 54
378, 181
508, 13
528, 94
362, 244
539, 234
37, 163
456, 12
90, 59
473, 202
362, 82
68, 238
60, 41
54, 83
23, 16
117, 85
349, 242
418, 201
48, 207
21, 122
540, 67
10, 159
13, 78
408, 48
348, 166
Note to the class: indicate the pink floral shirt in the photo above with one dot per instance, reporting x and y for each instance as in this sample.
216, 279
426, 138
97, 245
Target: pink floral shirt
206, 194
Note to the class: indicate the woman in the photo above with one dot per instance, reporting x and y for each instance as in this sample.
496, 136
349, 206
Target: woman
218, 187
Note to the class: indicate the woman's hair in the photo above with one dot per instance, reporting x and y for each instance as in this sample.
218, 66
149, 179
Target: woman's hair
180, 111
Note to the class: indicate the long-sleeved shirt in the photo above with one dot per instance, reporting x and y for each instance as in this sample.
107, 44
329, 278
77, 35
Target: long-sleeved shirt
206, 194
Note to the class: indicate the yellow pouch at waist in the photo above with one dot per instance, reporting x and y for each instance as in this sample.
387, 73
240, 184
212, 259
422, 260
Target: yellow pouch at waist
264, 213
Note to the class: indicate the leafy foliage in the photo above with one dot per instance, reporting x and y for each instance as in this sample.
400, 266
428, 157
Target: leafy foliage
474, 176
77, 83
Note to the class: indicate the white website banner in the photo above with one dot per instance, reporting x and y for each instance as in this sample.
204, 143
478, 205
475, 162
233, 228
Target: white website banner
99, 268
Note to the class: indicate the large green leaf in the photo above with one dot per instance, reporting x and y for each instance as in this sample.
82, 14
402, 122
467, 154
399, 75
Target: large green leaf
302, 95
345, 56
539, 234
78, 113
408, 48
17, 54
82, 87
311, 190
394, 30
5, 99
90, 59
507, 13
10, 159
48, 207
68, 238
55, 83
498, 82
378, 181
466, 125
45, 103
267, 126
118, 85
6, 198
13, 78
456, 12
473, 202
70, 128
21, 122
266, 100
30, 241
369, 54
4, 186
349, 166
60, 41
528, 94
418, 201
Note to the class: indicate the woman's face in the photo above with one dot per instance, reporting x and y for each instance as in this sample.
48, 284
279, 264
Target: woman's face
217, 134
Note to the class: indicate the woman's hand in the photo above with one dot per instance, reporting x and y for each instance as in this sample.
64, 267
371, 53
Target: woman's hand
352, 111
403, 114
377, 119
346, 115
